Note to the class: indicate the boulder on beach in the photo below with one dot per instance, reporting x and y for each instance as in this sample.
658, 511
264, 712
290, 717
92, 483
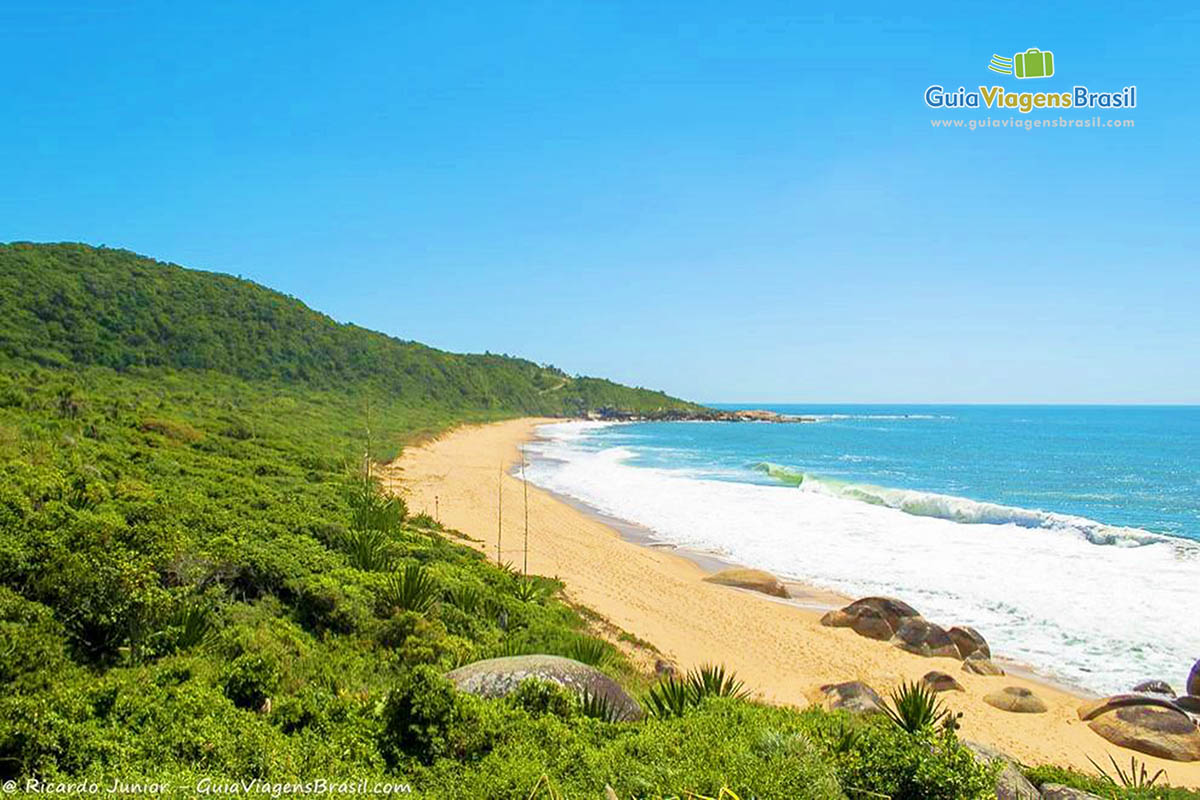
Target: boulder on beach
969, 641
1189, 703
753, 579
924, 638
1016, 699
1094, 708
1010, 783
853, 696
941, 682
978, 665
1155, 728
873, 617
1056, 791
1193, 683
1155, 687
498, 677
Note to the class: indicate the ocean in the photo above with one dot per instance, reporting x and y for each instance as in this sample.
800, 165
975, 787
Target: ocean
1069, 536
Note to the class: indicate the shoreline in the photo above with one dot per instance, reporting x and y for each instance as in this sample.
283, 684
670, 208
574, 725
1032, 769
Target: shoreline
658, 595
800, 595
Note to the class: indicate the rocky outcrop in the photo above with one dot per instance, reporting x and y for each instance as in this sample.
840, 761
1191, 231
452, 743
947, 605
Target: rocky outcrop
873, 617
1152, 725
497, 677
1056, 791
1016, 699
1193, 683
753, 579
853, 696
924, 638
1189, 703
969, 642
978, 665
694, 415
1010, 783
1155, 687
941, 682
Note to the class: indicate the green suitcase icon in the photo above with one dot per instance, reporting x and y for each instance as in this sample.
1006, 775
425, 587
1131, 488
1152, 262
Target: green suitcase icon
1034, 63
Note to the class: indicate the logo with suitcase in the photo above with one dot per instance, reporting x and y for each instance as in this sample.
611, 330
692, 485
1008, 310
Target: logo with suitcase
1033, 63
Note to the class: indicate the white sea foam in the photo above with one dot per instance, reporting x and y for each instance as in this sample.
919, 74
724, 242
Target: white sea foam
1046, 589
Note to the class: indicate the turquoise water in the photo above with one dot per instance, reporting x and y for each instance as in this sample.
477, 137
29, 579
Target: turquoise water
1136, 467
1069, 535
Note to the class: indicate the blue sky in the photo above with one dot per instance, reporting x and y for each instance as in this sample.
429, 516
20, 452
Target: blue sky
728, 201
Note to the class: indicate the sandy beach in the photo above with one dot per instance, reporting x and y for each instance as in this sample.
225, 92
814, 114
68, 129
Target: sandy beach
777, 647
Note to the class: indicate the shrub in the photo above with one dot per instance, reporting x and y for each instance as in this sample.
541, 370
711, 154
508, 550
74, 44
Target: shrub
371, 508
31, 641
249, 680
411, 589
670, 697
914, 707
467, 598
329, 603
540, 697
673, 697
595, 652
597, 706
417, 717
887, 760
711, 680
367, 549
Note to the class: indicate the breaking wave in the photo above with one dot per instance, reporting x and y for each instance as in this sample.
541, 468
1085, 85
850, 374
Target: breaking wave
962, 509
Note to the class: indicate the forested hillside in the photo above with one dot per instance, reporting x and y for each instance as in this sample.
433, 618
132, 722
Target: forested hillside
70, 305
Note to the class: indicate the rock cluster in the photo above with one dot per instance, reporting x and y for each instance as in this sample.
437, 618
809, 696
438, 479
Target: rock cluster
890, 620
873, 617
1151, 720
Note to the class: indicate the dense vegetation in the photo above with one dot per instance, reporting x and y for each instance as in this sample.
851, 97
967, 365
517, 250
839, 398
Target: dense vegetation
69, 305
197, 580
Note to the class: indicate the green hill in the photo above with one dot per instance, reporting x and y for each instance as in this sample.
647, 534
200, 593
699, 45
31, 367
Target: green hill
199, 582
71, 305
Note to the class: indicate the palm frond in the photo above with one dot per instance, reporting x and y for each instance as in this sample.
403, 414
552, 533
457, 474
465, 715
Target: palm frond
670, 697
597, 706
711, 680
1138, 776
914, 707
411, 589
